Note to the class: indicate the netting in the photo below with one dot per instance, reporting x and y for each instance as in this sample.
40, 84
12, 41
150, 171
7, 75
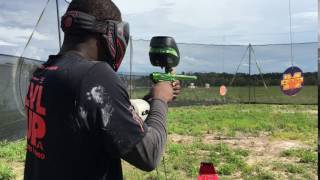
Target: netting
250, 76
14, 79
215, 65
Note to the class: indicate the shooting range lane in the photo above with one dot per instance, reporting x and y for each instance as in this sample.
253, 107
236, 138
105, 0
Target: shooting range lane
267, 65
214, 65
203, 91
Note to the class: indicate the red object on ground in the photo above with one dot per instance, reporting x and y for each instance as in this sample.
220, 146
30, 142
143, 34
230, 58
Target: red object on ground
207, 172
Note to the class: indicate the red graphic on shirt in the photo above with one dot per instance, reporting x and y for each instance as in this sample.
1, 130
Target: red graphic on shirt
50, 68
36, 124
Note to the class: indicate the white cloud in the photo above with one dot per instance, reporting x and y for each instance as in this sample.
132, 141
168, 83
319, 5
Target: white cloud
17, 35
306, 15
14, 34
35, 53
42, 37
3, 43
22, 18
140, 6
207, 21
202, 21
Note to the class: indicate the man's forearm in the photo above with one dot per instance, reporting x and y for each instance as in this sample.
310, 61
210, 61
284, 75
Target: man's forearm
146, 155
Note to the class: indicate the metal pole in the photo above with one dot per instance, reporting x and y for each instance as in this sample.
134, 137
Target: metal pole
131, 59
291, 35
58, 20
249, 73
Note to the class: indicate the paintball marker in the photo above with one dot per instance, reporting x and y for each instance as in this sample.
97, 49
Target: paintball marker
164, 53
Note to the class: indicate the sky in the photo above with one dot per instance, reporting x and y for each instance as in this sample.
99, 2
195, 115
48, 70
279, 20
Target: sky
223, 21
218, 22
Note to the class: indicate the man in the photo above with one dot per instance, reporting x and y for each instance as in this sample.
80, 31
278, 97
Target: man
80, 120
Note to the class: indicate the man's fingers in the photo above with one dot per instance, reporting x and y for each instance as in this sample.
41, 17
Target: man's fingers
176, 83
177, 87
175, 96
176, 92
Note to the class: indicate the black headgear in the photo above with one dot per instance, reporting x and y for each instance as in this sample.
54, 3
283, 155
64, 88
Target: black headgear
115, 33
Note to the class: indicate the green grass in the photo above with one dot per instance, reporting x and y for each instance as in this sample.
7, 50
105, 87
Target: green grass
305, 155
294, 170
6, 173
13, 151
182, 159
293, 120
284, 122
258, 173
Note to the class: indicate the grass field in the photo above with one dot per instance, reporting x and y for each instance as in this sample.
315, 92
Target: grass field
243, 141
273, 94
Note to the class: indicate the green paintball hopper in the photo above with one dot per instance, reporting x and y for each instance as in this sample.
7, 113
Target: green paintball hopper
164, 52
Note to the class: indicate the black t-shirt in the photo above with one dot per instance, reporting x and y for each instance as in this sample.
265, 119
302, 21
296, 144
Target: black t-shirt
80, 121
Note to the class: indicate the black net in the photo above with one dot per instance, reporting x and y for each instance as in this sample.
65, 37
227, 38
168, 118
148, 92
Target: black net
14, 78
214, 65
251, 75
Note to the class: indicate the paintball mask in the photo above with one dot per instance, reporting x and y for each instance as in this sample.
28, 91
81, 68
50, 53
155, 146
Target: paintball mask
116, 34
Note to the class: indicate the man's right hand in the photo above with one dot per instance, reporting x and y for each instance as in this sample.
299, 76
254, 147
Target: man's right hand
163, 91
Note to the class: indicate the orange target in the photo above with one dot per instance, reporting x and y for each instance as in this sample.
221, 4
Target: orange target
223, 90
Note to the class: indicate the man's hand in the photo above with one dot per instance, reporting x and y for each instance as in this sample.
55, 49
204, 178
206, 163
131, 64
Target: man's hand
176, 89
166, 91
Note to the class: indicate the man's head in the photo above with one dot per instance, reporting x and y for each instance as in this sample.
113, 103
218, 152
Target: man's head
101, 9
94, 27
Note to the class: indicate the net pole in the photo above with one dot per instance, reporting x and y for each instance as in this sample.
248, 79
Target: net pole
291, 37
243, 57
250, 73
131, 59
58, 21
259, 69
20, 63
223, 54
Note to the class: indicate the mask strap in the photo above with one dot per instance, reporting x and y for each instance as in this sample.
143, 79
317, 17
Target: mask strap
111, 46
109, 41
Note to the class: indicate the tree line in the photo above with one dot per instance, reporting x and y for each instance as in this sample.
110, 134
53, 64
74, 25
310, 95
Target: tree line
218, 79
242, 79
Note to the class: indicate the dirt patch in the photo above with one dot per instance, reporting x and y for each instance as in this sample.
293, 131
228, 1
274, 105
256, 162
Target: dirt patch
181, 139
261, 148
18, 169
